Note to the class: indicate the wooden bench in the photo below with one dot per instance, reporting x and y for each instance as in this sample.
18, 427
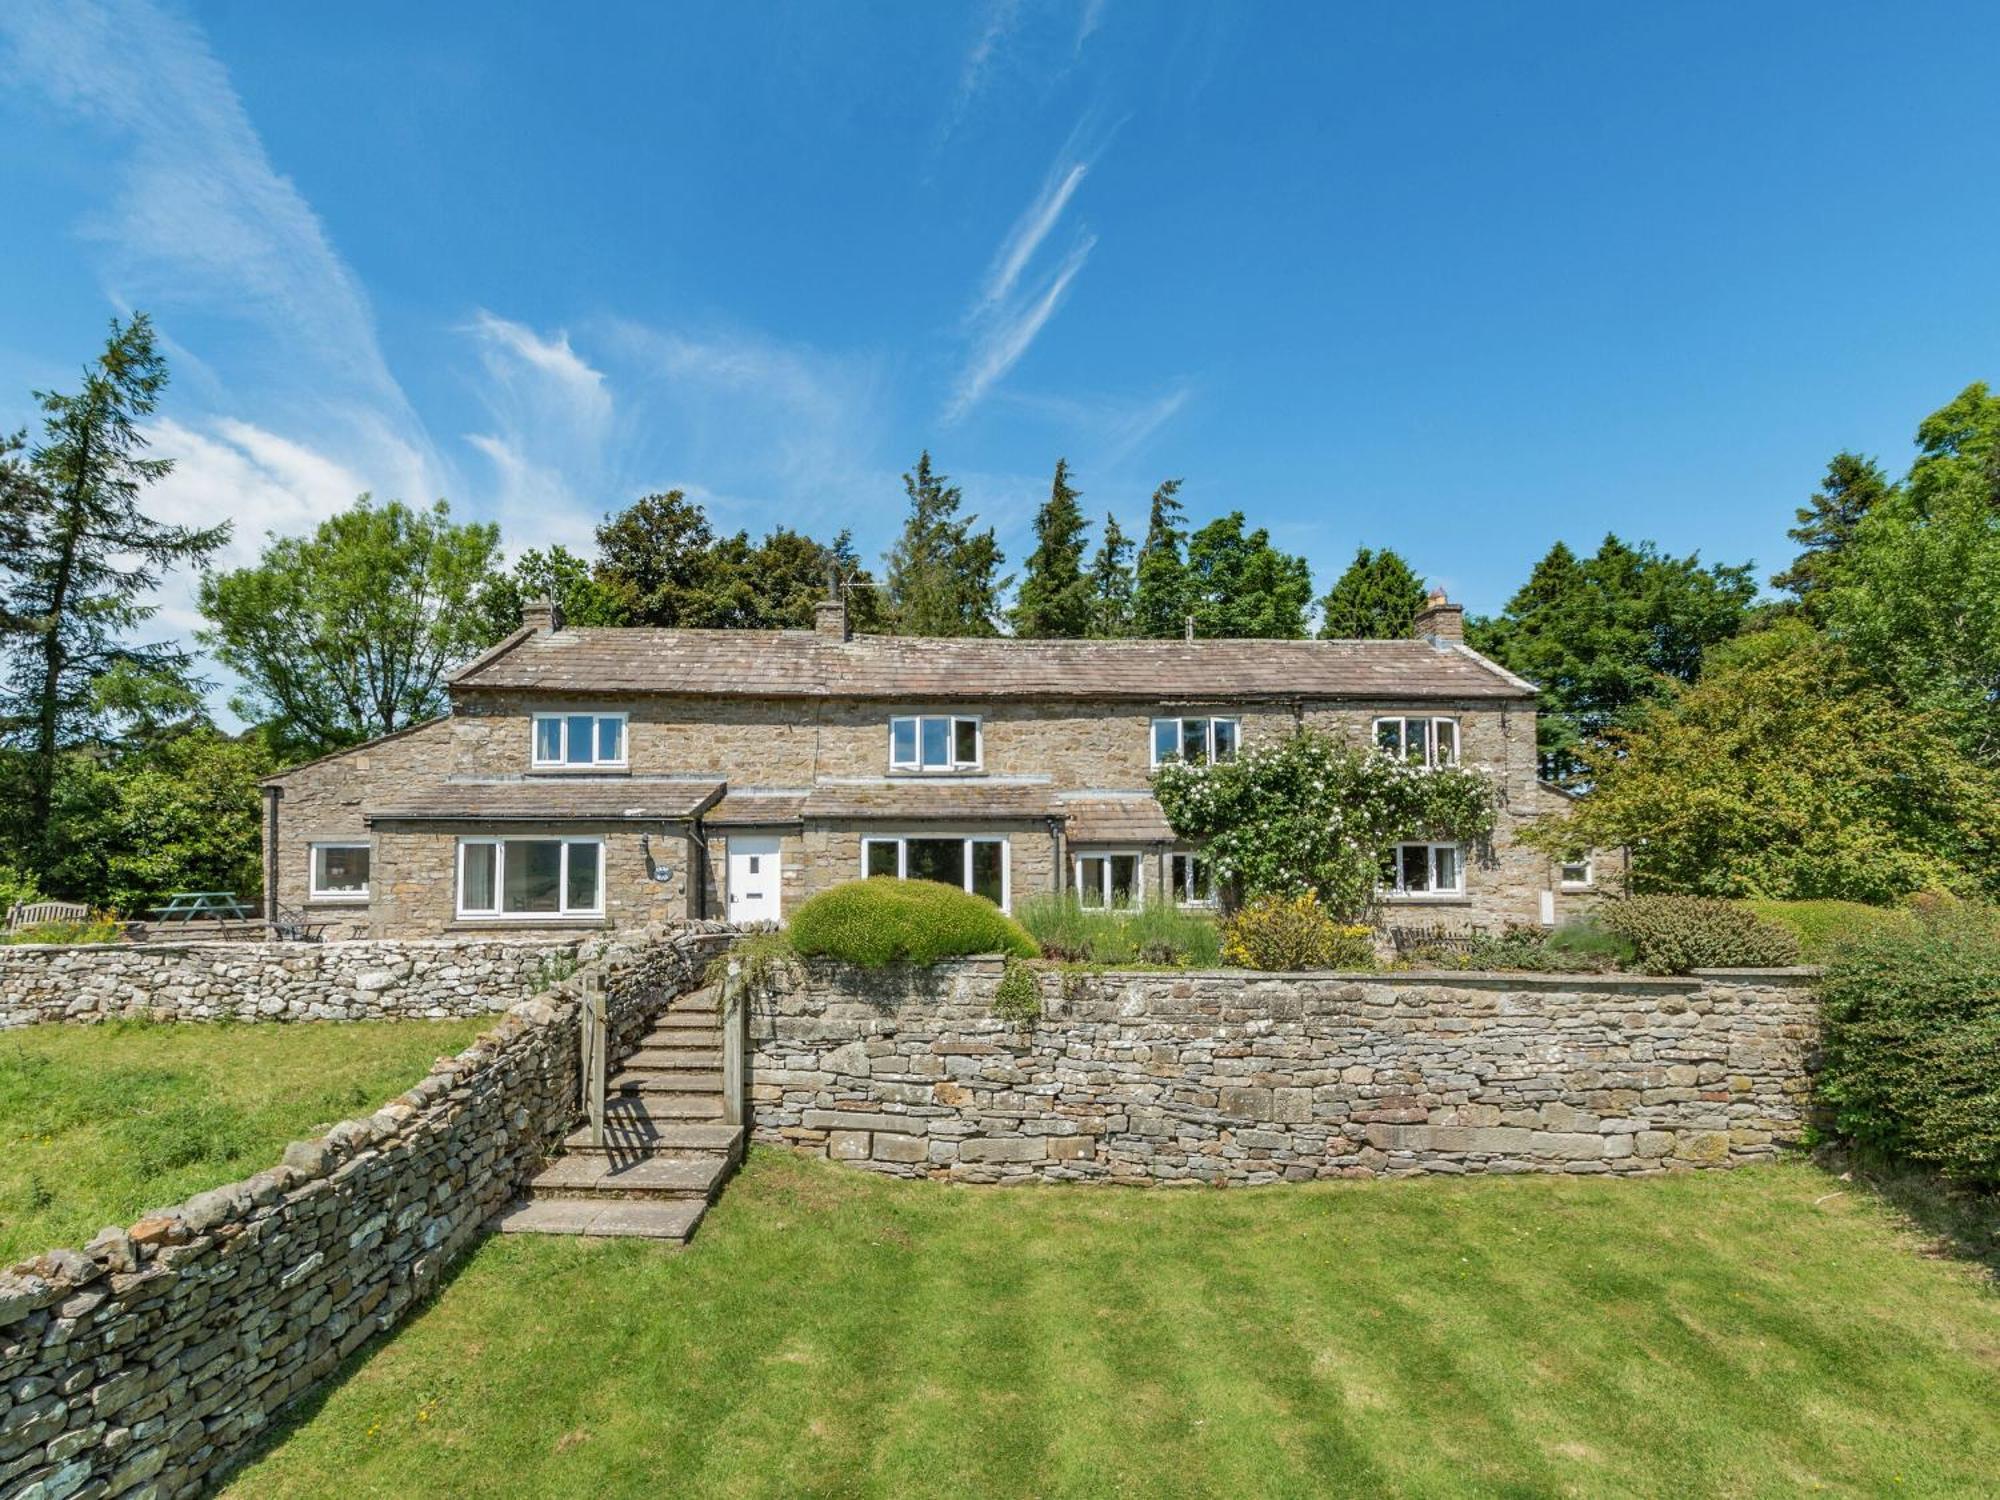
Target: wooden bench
37, 913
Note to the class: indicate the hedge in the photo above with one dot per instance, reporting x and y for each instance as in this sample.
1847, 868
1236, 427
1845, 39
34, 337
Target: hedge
883, 920
1910, 1065
1678, 934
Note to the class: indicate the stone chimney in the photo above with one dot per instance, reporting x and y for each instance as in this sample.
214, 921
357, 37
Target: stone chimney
1439, 619
542, 614
830, 614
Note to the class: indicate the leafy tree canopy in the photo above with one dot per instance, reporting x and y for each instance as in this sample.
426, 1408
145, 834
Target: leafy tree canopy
557, 574
943, 577
1309, 813
1376, 599
1055, 596
1605, 634
1785, 772
351, 632
1239, 585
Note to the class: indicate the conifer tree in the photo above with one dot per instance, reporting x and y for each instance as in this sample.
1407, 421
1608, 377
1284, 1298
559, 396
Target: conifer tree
1376, 599
1853, 487
1055, 598
1160, 598
1111, 586
943, 578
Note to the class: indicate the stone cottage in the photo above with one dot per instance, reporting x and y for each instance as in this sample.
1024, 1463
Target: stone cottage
611, 777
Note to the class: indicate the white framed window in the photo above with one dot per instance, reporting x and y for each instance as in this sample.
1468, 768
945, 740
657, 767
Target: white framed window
339, 872
579, 740
978, 864
530, 877
1197, 741
1576, 875
934, 742
1423, 870
1107, 878
1193, 881
1423, 742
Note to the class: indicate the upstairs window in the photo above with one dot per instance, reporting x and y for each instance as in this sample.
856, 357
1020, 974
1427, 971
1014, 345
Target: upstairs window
1422, 742
579, 740
1196, 741
933, 742
1423, 870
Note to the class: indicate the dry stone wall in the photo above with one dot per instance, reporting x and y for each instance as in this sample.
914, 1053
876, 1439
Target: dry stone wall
215, 981
148, 1362
1244, 1079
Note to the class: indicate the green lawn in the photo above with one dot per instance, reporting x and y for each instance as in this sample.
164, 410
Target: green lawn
1754, 1333
100, 1123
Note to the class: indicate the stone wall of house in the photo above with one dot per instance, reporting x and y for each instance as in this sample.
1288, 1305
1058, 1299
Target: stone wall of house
1239, 1078
217, 981
149, 1361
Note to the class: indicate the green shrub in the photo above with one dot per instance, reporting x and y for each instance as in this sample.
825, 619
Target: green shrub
1583, 946
1822, 926
1910, 1064
1294, 932
1162, 935
101, 928
1678, 934
17, 888
1017, 999
884, 920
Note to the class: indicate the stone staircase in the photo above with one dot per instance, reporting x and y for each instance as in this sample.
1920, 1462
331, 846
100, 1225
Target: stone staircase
667, 1148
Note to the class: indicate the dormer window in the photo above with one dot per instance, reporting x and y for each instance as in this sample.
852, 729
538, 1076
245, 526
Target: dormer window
1421, 742
1195, 741
570, 741
934, 742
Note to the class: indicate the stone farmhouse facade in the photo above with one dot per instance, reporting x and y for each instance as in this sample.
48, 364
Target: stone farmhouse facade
602, 778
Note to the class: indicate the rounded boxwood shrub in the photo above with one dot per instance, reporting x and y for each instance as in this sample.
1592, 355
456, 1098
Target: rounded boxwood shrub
883, 920
1910, 1021
1678, 934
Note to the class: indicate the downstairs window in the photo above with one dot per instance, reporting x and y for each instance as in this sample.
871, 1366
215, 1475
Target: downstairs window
978, 865
530, 878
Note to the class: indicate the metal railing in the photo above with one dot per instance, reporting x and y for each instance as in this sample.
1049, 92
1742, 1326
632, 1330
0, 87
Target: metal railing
595, 1031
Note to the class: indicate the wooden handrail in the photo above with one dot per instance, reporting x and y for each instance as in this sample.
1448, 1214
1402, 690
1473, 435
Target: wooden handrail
735, 1016
594, 1029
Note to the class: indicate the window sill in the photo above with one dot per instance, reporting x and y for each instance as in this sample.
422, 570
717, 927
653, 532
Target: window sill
1575, 890
464, 923
621, 768
916, 773
1409, 898
359, 899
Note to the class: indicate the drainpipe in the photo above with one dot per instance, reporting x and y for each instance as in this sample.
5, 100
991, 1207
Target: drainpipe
698, 869
271, 796
1061, 862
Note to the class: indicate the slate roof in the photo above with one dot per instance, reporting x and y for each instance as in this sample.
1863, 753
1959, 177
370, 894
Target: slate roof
917, 800
625, 799
755, 809
1116, 820
805, 664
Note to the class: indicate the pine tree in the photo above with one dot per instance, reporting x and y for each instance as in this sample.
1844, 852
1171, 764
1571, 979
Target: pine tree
82, 560
1055, 598
943, 578
1239, 585
1827, 522
1160, 598
1111, 587
1376, 599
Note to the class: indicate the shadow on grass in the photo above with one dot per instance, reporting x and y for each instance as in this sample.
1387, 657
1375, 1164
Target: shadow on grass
302, 1409
1956, 1220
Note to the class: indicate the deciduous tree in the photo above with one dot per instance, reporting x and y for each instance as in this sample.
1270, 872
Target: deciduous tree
1239, 585
350, 632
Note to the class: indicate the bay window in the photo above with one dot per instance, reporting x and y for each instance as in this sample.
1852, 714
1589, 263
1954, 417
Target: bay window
1423, 870
934, 742
339, 872
1198, 741
579, 740
1422, 742
530, 878
978, 865
1107, 879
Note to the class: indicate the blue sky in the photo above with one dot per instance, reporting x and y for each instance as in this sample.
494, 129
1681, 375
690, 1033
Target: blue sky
1454, 279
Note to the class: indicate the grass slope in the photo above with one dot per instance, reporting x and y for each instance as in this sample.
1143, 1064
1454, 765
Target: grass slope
829, 1333
100, 1123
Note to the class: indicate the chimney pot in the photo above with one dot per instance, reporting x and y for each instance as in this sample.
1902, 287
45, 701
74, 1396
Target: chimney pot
1439, 619
1187, 629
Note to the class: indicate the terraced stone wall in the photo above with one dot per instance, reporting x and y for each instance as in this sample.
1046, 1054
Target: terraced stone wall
1232, 1078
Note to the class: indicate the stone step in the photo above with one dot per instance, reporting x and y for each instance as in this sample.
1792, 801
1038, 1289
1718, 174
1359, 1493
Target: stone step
672, 1220
628, 1136
674, 1060
682, 1041
640, 1081
596, 1176
678, 1106
688, 1020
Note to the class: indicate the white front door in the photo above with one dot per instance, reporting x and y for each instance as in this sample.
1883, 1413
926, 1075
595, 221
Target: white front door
754, 868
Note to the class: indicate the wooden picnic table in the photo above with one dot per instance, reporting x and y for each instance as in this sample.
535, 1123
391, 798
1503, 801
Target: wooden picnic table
185, 906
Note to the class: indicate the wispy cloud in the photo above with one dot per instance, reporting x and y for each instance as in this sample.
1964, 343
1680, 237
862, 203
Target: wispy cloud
1088, 20
511, 350
1026, 237
1103, 432
1007, 336
973, 73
